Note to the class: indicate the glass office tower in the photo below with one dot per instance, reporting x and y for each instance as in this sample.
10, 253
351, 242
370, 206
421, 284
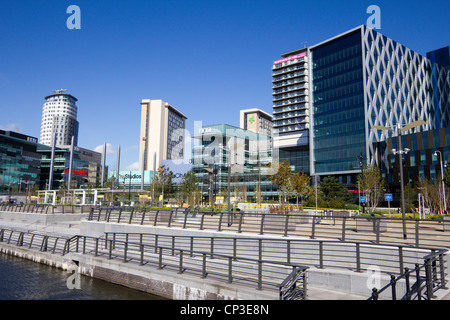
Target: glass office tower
338, 132
361, 79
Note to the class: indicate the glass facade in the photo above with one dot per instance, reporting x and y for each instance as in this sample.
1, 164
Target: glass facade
227, 153
420, 162
338, 132
86, 168
19, 161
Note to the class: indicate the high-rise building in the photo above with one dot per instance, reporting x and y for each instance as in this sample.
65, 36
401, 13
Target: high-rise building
256, 120
355, 81
59, 116
162, 133
290, 78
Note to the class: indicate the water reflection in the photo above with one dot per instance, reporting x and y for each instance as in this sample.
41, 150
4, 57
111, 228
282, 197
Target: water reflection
21, 279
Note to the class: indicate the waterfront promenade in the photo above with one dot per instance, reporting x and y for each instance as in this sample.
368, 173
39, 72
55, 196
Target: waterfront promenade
328, 282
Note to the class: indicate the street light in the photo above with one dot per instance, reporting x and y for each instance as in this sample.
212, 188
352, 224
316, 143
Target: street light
442, 176
400, 152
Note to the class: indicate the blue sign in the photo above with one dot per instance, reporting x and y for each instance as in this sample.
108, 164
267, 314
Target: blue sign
362, 199
388, 197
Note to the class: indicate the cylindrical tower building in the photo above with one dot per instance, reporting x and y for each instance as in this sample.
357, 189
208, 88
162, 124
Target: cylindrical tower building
59, 115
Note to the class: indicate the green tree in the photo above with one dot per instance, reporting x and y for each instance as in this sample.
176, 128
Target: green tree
280, 175
189, 188
300, 185
334, 193
372, 185
163, 179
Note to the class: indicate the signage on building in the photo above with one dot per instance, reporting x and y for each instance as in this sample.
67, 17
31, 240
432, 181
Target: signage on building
179, 168
290, 58
204, 130
134, 177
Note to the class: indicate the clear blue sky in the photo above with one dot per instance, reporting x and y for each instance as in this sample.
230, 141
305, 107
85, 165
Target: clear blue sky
207, 58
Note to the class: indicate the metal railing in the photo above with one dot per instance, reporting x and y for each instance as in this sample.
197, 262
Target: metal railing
429, 278
39, 241
356, 256
44, 208
413, 232
262, 273
276, 263
294, 287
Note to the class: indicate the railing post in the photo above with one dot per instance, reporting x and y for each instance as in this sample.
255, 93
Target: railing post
96, 247
110, 249
393, 286
230, 269
204, 265
288, 251
358, 257
259, 275
261, 230
180, 269
170, 219
192, 247
313, 226
408, 288
400, 258
418, 281
160, 259
417, 233
143, 216
344, 219
141, 247
185, 219
429, 279
320, 255
212, 248
125, 248
442, 271
202, 220
374, 294
219, 228
240, 223
173, 245
156, 217
286, 225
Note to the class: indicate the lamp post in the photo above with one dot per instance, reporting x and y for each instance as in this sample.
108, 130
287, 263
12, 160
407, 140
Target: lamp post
398, 129
442, 177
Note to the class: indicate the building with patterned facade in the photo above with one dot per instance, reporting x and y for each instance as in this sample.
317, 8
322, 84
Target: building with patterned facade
355, 81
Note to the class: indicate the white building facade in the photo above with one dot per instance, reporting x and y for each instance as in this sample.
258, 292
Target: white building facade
59, 116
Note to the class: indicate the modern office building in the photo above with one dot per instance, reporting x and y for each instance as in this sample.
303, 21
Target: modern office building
19, 161
59, 116
231, 158
355, 81
162, 134
428, 149
86, 168
256, 120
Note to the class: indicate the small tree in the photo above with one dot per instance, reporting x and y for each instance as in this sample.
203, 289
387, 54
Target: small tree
189, 187
163, 179
300, 185
280, 174
372, 185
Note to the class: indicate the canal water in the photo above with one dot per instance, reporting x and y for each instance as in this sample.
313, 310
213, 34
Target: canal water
22, 279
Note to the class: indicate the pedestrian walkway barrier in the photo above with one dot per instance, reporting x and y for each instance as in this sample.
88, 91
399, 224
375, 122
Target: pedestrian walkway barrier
428, 278
44, 208
329, 225
265, 263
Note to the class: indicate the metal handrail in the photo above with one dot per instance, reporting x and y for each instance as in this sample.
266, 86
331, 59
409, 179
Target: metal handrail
355, 228
294, 287
424, 286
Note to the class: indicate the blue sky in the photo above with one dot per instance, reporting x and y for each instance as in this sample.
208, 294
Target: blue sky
209, 59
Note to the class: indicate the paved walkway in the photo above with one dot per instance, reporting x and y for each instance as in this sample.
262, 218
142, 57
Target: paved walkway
72, 228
